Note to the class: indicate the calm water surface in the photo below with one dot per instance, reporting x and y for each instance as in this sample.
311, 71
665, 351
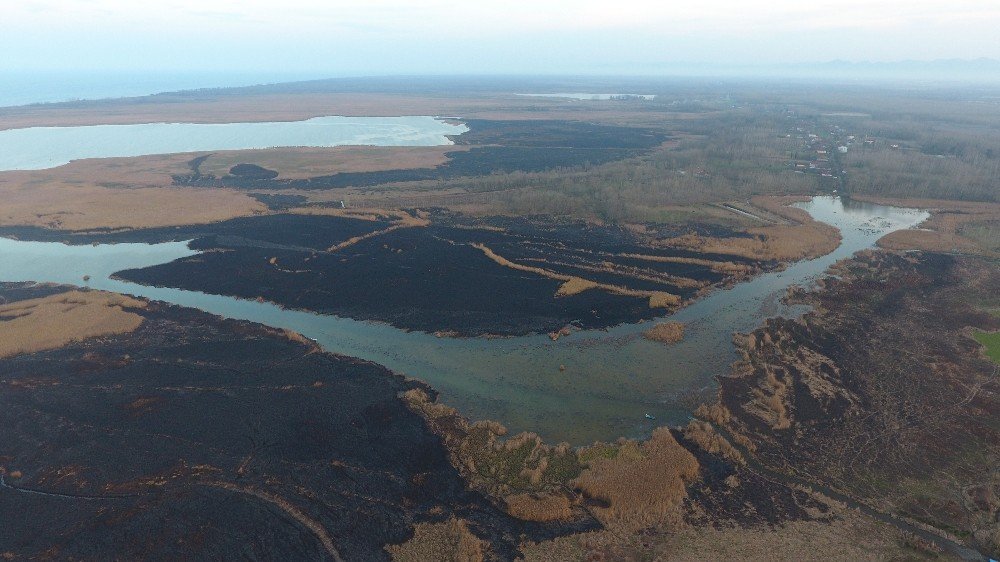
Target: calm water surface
587, 96
38, 148
39, 86
611, 379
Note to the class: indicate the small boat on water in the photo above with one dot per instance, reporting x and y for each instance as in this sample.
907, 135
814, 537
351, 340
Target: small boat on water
650, 417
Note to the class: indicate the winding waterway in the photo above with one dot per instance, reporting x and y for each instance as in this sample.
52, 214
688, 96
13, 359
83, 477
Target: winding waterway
36, 148
591, 385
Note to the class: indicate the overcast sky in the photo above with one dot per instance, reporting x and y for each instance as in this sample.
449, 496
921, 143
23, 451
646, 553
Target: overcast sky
348, 37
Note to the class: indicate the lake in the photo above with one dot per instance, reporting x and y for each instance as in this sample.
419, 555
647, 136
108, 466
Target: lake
610, 378
588, 96
38, 148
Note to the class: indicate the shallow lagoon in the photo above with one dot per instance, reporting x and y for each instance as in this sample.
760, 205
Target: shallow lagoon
38, 148
588, 96
611, 379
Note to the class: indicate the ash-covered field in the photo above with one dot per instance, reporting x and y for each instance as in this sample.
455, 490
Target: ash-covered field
194, 437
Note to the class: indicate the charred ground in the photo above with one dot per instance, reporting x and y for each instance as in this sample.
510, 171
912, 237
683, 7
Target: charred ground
497, 147
438, 270
198, 437
445, 275
882, 392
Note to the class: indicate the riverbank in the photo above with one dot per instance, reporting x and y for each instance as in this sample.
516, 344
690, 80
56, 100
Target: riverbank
263, 441
881, 392
590, 385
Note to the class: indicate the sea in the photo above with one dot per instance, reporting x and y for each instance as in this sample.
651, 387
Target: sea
29, 87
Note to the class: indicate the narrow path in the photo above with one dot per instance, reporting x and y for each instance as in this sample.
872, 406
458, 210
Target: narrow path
732, 209
295, 513
34, 492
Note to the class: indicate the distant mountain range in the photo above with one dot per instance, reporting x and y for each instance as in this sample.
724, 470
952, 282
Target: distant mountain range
981, 67
983, 70
980, 64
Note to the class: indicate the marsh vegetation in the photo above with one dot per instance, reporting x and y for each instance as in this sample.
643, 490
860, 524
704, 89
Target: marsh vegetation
581, 216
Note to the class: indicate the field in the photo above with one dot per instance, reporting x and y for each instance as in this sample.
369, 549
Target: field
954, 226
489, 147
442, 276
666, 161
304, 163
907, 424
54, 321
865, 429
265, 444
207, 424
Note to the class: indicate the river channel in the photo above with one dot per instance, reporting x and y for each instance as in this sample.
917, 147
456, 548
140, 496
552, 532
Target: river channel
591, 385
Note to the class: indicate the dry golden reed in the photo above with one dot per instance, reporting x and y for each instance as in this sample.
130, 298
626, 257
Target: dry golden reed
704, 435
308, 162
640, 491
401, 219
539, 507
943, 231
573, 285
116, 193
665, 332
718, 266
54, 321
801, 237
450, 541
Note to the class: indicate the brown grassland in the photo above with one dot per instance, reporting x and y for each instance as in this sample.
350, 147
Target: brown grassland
400, 219
881, 391
797, 237
257, 107
847, 536
640, 492
526, 476
138, 192
876, 393
449, 541
52, 322
89, 207
643, 488
126, 172
216, 108
115, 193
633, 484
705, 436
574, 285
535, 507
665, 332
304, 163
719, 266
954, 226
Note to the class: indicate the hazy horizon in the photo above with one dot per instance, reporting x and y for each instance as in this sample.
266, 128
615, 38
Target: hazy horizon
433, 37
25, 87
